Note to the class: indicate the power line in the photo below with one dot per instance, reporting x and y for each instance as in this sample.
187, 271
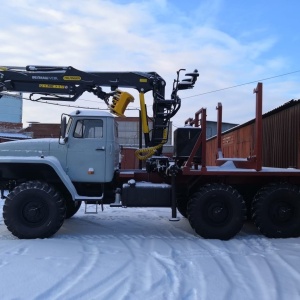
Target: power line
65, 105
234, 86
57, 104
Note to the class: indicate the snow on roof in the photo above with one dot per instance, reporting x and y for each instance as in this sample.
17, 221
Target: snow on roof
13, 135
95, 113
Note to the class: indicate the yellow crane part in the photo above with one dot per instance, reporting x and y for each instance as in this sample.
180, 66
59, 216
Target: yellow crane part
145, 126
145, 153
120, 102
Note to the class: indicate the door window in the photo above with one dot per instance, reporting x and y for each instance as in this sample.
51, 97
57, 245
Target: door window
92, 129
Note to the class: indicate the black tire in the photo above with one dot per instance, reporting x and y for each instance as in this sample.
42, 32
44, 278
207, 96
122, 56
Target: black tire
34, 209
72, 207
276, 210
182, 200
216, 211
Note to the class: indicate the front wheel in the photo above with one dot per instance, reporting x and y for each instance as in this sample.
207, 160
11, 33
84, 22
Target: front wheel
216, 211
34, 209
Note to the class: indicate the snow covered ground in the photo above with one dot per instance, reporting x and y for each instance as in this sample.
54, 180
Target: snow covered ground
139, 254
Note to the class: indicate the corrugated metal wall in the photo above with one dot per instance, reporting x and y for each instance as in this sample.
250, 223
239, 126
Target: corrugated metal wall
281, 141
281, 138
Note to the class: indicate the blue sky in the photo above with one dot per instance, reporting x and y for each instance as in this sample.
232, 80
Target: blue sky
229, 42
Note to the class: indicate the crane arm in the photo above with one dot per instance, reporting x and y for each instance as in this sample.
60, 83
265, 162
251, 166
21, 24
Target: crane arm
68, 84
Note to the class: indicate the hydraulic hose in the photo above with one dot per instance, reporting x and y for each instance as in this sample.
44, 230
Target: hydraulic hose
145, 153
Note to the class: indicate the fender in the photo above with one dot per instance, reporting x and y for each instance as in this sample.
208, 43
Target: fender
52, 162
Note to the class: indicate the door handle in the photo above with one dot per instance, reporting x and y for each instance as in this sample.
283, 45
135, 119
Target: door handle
100, 149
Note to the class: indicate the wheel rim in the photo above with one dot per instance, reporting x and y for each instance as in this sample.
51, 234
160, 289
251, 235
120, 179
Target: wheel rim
282, 212
217, 213
34, 213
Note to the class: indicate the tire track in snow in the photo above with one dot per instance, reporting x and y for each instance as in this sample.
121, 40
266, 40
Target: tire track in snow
170, 268
90, 259
256, 250
119, 279
17, 251
262, 274
176, 268
108, 288
191, 257
75, 276
149, 277
152, 270
283, 284
228, 282
3, 263
13, 251
289, 267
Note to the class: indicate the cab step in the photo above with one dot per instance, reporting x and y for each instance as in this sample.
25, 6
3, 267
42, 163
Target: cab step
91, 207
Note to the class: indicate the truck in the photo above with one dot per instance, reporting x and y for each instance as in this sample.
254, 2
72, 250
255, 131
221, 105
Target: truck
48, 179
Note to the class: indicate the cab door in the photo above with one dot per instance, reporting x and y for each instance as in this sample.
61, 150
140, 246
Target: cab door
87, 147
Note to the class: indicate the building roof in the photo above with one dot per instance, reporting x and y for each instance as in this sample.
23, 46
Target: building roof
274, 111
284, 106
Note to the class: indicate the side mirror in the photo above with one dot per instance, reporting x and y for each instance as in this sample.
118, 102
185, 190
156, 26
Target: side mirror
63, 127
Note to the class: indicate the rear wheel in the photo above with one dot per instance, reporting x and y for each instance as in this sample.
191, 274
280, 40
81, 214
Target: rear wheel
34, 209
276, 210
216, 211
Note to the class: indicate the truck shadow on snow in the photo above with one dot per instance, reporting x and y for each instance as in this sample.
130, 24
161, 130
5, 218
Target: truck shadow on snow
136, 223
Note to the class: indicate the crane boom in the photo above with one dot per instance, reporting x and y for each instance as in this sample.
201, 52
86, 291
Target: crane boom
58, 83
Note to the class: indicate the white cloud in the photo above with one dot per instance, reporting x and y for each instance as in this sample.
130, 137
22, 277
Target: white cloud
145, 36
